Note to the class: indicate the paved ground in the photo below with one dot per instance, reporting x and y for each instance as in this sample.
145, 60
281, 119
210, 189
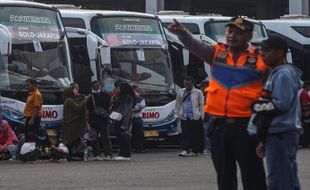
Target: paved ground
156, 169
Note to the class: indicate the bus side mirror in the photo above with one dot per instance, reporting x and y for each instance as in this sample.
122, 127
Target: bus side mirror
105, 52
5, 51
5, 41
289, 58
92, 45
185, 56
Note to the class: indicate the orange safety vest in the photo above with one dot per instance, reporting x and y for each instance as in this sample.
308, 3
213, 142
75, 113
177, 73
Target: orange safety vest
234, 86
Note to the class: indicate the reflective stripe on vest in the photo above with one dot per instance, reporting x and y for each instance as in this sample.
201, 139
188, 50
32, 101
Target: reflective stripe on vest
234, 86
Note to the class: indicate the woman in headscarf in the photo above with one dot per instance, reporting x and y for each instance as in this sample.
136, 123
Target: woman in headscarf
74, 121
123, 104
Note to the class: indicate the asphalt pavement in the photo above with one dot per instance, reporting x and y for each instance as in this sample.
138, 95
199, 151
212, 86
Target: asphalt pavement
156, 169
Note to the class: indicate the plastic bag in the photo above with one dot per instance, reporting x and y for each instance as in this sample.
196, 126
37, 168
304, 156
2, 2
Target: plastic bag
116, 116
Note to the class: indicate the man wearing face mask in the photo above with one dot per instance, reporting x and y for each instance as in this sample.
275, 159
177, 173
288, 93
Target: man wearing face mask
98, 107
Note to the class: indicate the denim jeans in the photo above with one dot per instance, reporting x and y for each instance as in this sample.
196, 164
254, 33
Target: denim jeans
280, 150
207, 143
206, 124
12, 149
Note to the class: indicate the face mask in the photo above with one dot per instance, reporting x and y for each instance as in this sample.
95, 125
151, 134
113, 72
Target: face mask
96, 91
116, 92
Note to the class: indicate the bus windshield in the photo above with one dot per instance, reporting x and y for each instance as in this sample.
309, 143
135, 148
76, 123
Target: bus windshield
139, 51
39, 48
217, 30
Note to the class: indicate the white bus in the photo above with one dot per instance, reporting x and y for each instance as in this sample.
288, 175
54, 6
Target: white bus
296, 30
137, 53
39, 49
203, 27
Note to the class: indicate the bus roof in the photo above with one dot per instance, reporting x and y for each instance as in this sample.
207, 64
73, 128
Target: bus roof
25, 4
197, 18
295, 29
83, 13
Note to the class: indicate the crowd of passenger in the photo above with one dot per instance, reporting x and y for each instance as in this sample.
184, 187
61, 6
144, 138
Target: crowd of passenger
86, 126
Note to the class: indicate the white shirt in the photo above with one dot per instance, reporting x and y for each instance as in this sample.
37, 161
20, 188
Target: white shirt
139, 105
63, 148
27, 147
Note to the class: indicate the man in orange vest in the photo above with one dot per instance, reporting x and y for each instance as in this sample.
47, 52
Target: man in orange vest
237, 76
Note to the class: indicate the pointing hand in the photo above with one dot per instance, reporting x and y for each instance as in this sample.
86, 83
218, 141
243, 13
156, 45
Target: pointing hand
176, 27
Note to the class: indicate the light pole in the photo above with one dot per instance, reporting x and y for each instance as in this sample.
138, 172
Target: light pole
299, 7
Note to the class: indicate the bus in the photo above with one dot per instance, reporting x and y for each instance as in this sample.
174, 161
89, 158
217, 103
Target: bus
296, 30
39, 49
137, 53
208, 28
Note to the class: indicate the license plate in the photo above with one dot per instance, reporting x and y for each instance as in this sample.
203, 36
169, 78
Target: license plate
151, 133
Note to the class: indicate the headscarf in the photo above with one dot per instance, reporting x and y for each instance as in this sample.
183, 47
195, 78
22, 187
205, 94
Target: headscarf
68, 93
126, 89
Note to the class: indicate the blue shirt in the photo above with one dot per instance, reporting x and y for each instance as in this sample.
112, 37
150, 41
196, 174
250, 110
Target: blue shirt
187, 107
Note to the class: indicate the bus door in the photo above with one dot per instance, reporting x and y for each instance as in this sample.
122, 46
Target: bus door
80, 60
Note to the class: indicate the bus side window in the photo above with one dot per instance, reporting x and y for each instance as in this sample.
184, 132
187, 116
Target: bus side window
196, 68
80, 62
178, 67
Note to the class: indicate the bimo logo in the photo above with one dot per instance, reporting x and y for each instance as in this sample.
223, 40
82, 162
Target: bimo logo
49, 114
150, 115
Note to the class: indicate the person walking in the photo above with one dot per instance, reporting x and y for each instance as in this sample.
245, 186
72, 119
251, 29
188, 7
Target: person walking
237, 76
189, 109
122, 107
33, 107
137, 121
98, 109
277, 117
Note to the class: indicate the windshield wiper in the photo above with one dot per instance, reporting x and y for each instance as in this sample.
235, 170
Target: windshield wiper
48, 87
47, 84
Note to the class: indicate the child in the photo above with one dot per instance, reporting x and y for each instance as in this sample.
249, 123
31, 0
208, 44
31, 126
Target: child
43, 143
29, 151
59, 152
90, 138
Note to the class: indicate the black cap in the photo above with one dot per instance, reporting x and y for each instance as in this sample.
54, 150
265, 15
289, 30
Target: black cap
241, 23
274, 42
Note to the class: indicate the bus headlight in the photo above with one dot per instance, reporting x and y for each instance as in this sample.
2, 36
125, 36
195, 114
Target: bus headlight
172, 90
